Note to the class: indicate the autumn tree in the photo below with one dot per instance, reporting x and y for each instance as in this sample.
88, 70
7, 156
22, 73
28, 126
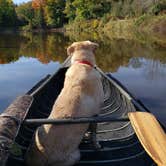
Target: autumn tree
49, 12
38, 6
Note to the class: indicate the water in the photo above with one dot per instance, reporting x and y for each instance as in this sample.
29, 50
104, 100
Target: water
27, 58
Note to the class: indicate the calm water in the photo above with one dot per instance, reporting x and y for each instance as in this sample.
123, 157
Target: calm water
141, 67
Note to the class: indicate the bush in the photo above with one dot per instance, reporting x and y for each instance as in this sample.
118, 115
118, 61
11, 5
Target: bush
157, 8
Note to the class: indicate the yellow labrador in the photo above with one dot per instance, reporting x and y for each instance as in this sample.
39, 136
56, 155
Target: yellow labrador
81, 96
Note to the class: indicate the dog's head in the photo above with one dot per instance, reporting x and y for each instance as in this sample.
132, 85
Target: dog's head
83, 50
83, 45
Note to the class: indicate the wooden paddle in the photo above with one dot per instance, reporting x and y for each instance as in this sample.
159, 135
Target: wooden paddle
150, 134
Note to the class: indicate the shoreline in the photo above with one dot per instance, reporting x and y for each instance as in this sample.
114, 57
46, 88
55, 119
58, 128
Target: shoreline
18, 29
144, 29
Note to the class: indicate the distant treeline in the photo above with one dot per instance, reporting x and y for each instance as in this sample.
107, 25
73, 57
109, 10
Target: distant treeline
55, 13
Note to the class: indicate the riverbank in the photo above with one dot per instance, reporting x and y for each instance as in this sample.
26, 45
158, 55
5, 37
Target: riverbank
146, 27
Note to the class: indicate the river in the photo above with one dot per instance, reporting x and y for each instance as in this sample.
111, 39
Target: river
27, 58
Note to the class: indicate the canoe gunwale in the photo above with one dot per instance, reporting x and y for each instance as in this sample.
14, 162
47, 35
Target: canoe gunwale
138, 104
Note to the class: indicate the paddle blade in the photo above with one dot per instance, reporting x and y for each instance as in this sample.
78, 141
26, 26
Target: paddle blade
150, 134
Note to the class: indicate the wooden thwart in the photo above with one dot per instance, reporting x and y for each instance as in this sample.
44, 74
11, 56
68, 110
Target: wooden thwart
150, 134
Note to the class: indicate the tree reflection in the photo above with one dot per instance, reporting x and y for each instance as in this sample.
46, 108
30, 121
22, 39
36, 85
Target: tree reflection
135, 62
114, 53
44, 47
111, 54
9, 47
154, 70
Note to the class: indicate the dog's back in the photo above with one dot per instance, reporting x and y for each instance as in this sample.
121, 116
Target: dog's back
81, 96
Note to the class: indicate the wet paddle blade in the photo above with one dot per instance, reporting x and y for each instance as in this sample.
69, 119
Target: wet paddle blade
150, 134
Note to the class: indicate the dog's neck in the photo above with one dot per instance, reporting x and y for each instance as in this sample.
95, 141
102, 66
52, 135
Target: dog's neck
84, 62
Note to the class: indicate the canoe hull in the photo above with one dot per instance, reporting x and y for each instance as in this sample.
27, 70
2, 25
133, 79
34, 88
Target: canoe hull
120, 145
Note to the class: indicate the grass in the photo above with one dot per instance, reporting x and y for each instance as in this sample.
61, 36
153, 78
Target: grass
145, 28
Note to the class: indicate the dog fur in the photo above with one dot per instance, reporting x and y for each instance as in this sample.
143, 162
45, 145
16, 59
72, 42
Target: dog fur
81, 96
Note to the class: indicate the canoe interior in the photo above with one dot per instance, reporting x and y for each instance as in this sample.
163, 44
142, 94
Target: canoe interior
120, 145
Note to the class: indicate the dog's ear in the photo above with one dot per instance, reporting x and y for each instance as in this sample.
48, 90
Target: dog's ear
93, 45
70, 50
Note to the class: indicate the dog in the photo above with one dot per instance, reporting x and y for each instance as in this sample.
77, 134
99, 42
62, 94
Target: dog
81, 96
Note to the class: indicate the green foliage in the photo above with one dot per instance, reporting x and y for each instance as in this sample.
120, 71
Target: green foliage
127, 8
25, 12
141, 19
105, 19
7, 13
136, 8
83, 25
95, 24
158, 7
85, 9
38, 20
116, 9
54, 13
70, 10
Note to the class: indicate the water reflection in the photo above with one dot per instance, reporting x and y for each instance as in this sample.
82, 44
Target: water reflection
17, 78
44, 47
147, 82
26, 58
52, 47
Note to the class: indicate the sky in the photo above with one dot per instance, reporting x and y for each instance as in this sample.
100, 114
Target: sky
20, 1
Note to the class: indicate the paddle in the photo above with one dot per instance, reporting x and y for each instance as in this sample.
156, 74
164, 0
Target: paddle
150, 134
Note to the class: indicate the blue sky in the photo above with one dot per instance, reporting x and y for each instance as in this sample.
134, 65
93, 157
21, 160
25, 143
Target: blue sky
20, 1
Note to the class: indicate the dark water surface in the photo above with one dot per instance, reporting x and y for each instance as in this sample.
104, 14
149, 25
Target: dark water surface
27, 58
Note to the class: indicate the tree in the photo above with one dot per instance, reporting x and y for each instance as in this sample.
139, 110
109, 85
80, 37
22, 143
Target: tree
70, 10
85, 9
54, 13
26, 12
38, 6
7, 13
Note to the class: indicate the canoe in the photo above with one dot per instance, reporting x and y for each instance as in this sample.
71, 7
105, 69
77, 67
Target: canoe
119, 143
